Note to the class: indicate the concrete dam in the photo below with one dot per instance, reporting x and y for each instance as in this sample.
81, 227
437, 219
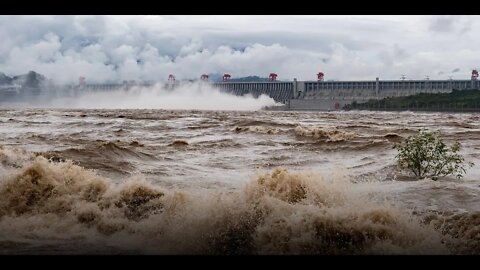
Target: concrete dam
294, 95
314, 95
333, 95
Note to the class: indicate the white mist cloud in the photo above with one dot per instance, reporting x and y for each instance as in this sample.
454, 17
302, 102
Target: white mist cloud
117, 48
187, 96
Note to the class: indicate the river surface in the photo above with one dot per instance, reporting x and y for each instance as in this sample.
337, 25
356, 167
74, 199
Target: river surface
230, 182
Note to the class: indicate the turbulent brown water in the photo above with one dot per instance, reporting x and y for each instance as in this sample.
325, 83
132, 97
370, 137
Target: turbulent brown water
224, 182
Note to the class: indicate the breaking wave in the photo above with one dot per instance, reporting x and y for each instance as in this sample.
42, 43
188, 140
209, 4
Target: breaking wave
107, 155
329, 134
277, 212
257, 129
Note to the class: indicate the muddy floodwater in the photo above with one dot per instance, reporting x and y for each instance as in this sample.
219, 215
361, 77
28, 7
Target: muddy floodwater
230, 182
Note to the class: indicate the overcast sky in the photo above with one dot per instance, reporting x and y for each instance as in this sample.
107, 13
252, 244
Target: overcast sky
111, 48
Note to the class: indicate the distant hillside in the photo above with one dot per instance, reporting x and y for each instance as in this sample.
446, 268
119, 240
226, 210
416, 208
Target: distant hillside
31, 79
249, 79
4, 79
218, 77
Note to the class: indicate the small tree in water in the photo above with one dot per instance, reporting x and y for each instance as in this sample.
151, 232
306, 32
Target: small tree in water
426, 155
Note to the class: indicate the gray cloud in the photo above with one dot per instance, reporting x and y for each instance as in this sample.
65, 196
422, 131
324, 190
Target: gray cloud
450, 23
116, 48
443, 23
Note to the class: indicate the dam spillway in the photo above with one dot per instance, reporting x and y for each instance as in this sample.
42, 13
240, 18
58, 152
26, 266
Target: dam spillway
315, 95
280, 91
331, 95
295, 95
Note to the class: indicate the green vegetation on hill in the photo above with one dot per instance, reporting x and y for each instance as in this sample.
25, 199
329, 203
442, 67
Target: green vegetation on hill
456, 100
250, 79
